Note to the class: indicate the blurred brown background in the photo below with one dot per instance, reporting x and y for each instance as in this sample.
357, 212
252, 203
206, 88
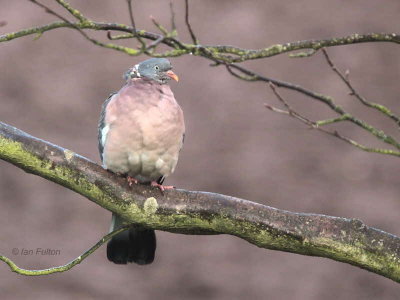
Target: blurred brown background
53, 88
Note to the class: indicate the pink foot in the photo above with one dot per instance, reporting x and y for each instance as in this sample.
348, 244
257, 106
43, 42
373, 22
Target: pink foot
162, 187
131, 180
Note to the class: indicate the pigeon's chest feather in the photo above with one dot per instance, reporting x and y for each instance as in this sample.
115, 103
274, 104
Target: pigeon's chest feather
145, 132
150, 111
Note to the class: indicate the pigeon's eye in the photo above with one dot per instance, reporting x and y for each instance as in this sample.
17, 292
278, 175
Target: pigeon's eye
157, 68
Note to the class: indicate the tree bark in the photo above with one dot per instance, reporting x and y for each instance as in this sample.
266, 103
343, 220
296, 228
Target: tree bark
192, 212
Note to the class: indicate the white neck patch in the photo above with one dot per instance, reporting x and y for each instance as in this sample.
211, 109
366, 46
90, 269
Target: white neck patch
137, 70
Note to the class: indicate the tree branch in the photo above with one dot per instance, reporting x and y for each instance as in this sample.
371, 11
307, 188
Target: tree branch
188, 25
142, 43
345, 78
318, 125
188, 212
217, 50
248, 75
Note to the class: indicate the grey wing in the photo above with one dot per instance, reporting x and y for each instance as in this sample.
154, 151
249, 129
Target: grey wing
102, 124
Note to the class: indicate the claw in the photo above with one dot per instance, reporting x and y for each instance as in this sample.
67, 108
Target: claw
131, 180
162, 187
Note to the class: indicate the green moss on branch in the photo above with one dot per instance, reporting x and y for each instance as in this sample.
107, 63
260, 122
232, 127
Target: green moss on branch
217, 52
180, 211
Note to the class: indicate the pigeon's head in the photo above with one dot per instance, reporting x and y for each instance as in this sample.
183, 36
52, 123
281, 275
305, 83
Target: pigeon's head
157, 69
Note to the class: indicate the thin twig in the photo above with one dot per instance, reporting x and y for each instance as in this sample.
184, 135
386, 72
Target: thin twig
163, 30
161, 38
291, 112
251, 76
345, 78
155, 43
75, 26
66, 267
192, 35
134, 31
317, 125
303, 54
132, 19
119, 37
76, 13
173, 25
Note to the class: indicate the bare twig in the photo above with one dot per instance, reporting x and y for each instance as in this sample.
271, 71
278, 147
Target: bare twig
317, 125
303, 54
155, 43
345, 78
119, 37
161, 38
163, 30
251, 76
189, 26
132, 19
289, 111
75, 26
76, 13
134, 30
173, 25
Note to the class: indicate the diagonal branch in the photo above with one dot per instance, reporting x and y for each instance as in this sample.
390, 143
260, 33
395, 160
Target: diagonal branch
318, 125
76, 13
248, 75
180, 211
79, 29
344, 77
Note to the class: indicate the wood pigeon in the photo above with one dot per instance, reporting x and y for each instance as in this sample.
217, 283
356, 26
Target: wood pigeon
140, 133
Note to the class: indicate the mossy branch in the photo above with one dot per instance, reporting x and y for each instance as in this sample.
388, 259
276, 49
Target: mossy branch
221, 52
189, 212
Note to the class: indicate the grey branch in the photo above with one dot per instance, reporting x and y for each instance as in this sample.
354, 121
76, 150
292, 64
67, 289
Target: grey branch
318, 125
191, 212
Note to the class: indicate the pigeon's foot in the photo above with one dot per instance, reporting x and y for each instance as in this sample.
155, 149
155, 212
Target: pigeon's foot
131, 180
162, 187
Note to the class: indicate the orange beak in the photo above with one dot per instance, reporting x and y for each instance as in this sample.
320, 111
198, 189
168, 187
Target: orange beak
172, 75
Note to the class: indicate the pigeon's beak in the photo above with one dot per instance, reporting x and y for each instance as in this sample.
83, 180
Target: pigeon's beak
172, 75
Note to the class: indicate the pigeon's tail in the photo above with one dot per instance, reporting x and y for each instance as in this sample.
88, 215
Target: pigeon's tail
134, 245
